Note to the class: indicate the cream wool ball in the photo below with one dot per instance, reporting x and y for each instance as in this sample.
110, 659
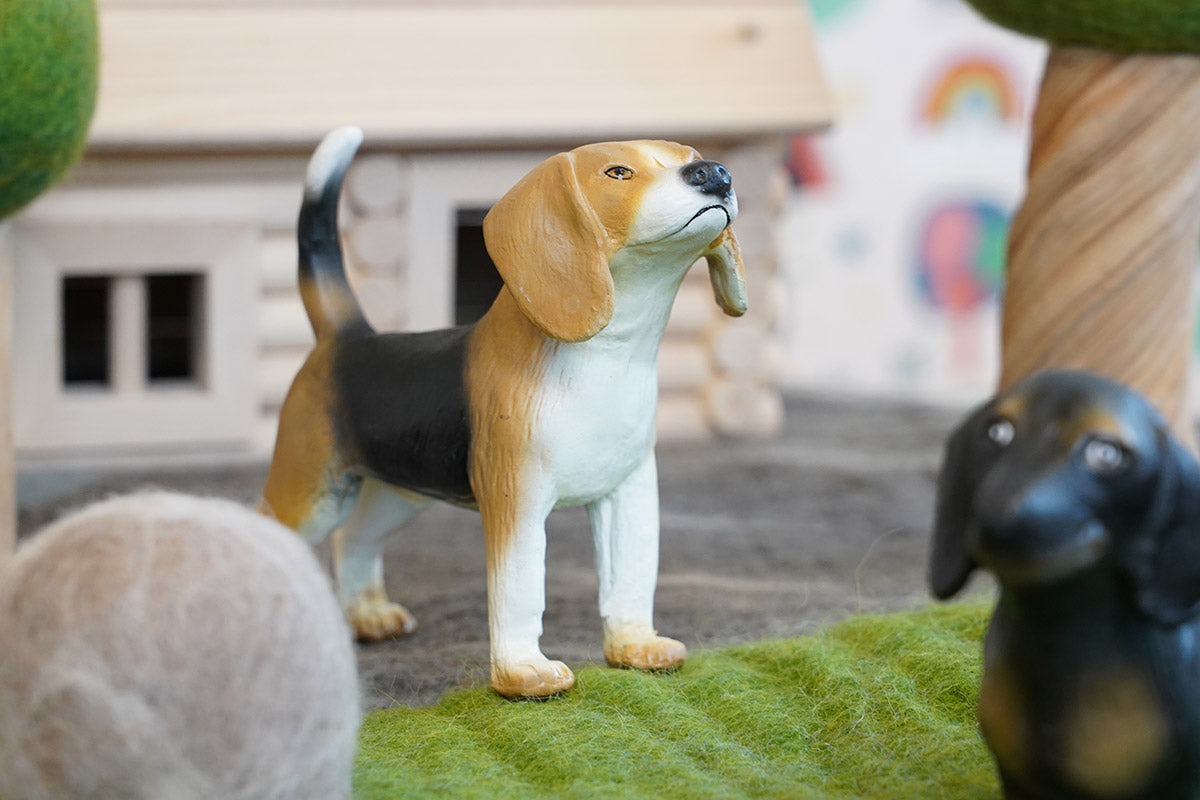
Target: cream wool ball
171, 647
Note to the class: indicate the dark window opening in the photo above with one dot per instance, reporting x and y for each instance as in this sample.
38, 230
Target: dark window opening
87, 328
476, 281
173, 303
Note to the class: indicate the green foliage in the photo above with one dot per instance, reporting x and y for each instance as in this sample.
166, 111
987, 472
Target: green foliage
48, 73
1120, 25
877, 708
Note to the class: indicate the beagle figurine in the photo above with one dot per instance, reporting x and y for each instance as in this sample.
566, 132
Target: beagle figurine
1072, 492
547, 402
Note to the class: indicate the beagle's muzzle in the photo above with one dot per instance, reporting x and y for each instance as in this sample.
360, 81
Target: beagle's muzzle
1070, 489
548, 401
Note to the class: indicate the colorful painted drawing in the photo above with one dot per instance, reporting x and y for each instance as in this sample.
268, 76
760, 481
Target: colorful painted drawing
972, 88
805, 163
960, 260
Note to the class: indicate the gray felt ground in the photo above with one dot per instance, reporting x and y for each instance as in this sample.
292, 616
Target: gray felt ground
759, 539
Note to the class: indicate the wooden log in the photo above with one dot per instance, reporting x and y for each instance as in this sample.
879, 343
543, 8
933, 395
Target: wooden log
684, 364
755, 167
1102, 251
694, 309
377, 183
277, 262
744, 408
768, 298
378, 243
682, 418
274, 373
739, 349
382, 302
283, 323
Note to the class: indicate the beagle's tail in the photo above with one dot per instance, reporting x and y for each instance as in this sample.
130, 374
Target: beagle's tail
330, 303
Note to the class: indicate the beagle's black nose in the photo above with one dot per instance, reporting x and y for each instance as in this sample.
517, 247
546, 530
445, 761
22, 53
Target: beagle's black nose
709, 177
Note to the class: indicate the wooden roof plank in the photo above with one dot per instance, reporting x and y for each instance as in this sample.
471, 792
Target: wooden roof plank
259, 74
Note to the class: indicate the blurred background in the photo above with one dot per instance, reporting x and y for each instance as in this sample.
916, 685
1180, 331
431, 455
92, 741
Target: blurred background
877, 146
894, 235
878, 149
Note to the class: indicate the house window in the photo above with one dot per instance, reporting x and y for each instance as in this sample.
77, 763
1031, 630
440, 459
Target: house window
164, 312
134, 337
455, 280
173, 332
87, 330
476, 281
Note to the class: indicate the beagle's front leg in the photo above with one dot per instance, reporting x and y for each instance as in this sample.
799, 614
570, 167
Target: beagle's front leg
625, 529
514, 525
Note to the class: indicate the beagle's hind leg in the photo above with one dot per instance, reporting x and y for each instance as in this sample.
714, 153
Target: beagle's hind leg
358, 560
308, 488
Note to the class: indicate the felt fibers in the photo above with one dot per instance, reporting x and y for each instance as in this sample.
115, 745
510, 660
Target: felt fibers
879, 707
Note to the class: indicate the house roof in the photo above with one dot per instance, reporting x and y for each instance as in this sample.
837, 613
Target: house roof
238, 73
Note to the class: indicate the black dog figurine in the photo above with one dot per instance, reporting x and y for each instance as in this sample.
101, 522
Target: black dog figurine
1070, 490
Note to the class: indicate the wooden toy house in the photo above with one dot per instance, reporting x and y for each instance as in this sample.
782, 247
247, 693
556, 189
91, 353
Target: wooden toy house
156, 312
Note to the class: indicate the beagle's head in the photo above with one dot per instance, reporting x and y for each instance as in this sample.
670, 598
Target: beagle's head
1068, 472
553, 234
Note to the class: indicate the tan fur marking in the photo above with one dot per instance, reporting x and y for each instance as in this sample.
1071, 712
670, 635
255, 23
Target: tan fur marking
1091, 420
373, 617
552, 252
304, 450
727, 273
552, 234
1116, 735
617, 203
1002, 719
1011, 407
504, 366
1094, 420
529, 681
640, 647
327, 307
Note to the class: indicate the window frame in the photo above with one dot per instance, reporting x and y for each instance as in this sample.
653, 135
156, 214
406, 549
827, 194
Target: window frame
133, 414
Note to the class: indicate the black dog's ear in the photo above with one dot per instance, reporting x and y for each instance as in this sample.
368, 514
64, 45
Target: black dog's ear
949, 563
1168, 572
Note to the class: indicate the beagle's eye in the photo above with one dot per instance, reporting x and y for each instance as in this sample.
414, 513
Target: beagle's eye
619, 173
1103, 456
1001, 432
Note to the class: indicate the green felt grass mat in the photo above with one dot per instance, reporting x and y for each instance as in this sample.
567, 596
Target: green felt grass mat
875, 707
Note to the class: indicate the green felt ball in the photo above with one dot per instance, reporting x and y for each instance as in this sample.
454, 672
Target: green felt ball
49, 60
1121, 25
879, 707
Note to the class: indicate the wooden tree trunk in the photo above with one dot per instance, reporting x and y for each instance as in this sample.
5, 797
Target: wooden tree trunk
1101, 253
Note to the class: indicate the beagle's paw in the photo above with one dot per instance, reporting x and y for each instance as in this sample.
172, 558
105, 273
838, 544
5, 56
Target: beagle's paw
652, 652
376, 619
542, 678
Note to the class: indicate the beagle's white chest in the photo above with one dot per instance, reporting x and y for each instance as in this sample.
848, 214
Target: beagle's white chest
597, 420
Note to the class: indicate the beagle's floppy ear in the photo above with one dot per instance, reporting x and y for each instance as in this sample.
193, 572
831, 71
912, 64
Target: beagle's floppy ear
949, 562
1167, 574
727, 273
552, 252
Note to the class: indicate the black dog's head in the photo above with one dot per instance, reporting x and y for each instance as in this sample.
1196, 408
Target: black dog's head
1067, 472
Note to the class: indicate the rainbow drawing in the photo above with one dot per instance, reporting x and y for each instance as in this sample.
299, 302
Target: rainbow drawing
975, 87
960, 258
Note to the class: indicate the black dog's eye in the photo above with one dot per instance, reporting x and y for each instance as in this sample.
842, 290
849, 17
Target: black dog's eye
1104, 456
1001, 432
619, 173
